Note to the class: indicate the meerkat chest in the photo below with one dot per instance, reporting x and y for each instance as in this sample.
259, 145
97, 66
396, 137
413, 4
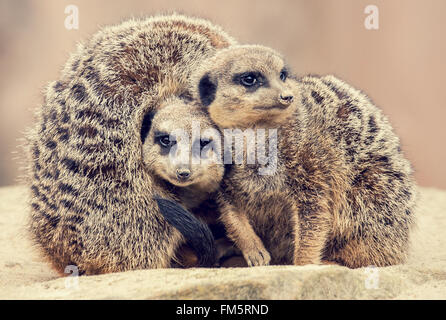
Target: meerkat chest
259, 188
254, 190
191, 197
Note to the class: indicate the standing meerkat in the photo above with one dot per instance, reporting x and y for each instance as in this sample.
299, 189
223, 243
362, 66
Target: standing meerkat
91, 198
341, 191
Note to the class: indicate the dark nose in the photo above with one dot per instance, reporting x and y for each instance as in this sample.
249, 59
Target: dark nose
287, 99
183, 174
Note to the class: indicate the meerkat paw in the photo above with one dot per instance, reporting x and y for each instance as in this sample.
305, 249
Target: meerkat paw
257, 257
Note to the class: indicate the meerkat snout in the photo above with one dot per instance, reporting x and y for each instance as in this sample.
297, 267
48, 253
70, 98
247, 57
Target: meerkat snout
183, 174
286, 98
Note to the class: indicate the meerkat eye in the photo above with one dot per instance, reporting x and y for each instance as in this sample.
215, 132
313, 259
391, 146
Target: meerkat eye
204, 143
283, 75
165, 141
248, 80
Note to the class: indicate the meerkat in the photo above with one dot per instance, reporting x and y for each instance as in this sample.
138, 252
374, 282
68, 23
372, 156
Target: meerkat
186, 168
342, 191
192, 184
92, 203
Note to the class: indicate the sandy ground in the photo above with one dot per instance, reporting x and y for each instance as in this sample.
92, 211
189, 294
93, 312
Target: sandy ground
25, 275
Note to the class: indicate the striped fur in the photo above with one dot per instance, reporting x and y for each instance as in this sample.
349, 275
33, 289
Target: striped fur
343, 191
91, 198
375, 206
192, 193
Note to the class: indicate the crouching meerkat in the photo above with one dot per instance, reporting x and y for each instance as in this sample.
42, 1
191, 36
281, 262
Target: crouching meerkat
92, 201
179, 153
182, 152
341, 190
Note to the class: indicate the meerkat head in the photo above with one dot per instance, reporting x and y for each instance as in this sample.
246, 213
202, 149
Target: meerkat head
244, 86
182, 146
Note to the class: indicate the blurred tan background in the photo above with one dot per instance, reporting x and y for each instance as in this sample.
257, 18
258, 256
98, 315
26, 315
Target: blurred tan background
401, 66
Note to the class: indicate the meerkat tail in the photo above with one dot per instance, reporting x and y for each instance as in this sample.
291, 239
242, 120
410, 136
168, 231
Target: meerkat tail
197, 234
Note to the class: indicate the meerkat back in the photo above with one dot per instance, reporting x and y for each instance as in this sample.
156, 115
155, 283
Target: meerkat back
350, 190
376, 216
91, 201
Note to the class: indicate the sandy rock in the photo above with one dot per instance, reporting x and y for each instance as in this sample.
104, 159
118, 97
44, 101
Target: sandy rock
25, 275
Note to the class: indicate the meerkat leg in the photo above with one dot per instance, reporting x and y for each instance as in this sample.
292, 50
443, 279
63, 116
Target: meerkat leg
378, 246
379, 216
329, 263
243, 235
296, 232
311, 231
234, 262
186, 257
369, 252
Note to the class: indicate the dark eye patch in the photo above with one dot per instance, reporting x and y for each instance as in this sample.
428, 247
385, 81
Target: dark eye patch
251, 80
283, 74
200, 145
164, 139
207, 89
205, 142
146, 123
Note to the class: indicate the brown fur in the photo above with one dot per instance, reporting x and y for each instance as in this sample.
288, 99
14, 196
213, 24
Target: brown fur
205, 176
197, 193
343, 192
91, 199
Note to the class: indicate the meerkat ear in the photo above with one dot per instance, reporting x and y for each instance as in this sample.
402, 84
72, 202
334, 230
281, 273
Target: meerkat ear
146, 124
207, 89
